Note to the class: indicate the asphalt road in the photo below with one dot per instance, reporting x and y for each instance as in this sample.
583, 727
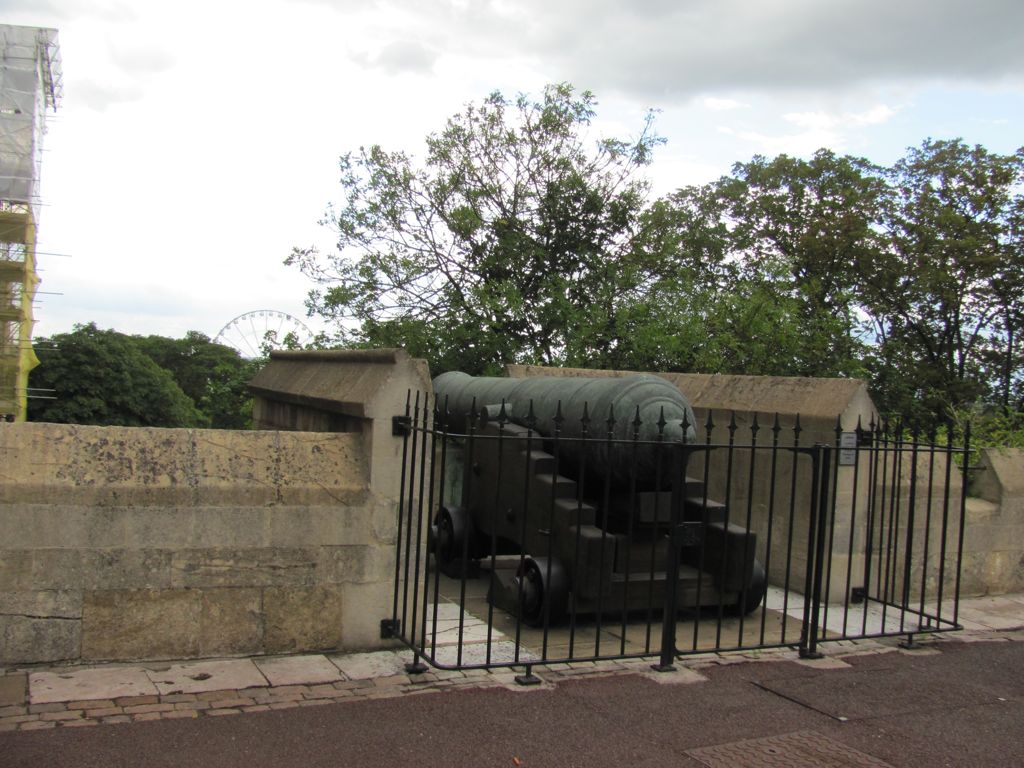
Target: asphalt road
963, 706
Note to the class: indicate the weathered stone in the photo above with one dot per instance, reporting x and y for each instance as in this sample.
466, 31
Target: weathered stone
231, 527
26, 640
140, 624
298, 670
45, 604
338, 565
13, 690
363, 602
75, 569
201, 677
102, 685
231, 622
303, 618
247, 474
159, 527
314, 526
16, 570
225, 567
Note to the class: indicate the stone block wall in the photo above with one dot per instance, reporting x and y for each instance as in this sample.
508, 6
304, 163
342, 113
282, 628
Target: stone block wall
994, 530
123, 543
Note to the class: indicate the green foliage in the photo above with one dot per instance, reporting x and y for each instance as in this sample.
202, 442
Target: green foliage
511, 241
109, 378
945, 293
213, 375
102, 377
516, 240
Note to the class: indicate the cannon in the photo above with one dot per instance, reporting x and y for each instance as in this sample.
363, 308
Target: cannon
584, 479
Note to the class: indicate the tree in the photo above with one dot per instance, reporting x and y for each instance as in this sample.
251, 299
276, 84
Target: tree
213, 375
805, 227
511, 241
768, 258
945, 294
102, 377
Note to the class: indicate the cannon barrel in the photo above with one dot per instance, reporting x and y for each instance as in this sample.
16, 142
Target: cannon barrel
647, 407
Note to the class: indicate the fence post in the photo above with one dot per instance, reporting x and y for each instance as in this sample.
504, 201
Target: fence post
821, 457
678, 462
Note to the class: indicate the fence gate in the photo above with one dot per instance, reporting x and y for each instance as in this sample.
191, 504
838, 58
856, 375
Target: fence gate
530, 538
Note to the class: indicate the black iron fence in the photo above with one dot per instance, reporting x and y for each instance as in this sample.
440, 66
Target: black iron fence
517, 548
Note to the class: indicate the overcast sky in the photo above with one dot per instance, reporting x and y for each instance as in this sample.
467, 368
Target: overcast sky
197, 142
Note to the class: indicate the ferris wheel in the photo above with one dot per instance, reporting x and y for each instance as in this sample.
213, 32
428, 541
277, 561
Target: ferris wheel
254, 333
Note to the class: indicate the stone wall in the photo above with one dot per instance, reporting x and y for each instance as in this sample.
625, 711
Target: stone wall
125, 543
994, 531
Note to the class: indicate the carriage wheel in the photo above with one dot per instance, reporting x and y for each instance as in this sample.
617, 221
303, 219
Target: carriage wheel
543, 591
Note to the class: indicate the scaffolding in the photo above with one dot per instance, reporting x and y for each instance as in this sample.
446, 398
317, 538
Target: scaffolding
30, 86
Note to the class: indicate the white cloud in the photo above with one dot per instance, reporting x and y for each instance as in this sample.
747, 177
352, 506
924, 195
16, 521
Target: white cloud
800, 144
721, 105
878, 114
812, 121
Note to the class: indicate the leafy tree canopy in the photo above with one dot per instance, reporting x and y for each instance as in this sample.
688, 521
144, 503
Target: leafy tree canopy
108, 378
517, 238
511, 241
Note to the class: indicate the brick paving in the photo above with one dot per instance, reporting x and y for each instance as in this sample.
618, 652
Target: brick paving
30, 699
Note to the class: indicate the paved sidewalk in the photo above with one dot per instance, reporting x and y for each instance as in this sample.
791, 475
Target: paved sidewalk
76, 697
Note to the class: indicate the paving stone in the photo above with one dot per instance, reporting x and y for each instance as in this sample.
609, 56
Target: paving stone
56, 716
315, 702
179, 714
90, 704
828, 662
16, 719
178, 698
131, 701
21, 709
317, 691
37, 709
681, 676
195, 706
141, 709
36, 725
103, 683
361, 666
299, 670
106, 712
233, 702
203, 676
79, 723
221, 712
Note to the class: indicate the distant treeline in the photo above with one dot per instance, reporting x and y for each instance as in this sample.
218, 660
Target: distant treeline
108, 378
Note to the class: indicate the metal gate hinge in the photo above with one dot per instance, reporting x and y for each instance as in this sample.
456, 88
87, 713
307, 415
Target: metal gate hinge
390, 629
400, 426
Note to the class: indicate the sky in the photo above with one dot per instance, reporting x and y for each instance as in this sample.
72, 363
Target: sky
197, 142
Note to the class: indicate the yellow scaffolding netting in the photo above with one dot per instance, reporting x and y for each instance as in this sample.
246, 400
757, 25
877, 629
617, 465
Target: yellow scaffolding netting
30, 84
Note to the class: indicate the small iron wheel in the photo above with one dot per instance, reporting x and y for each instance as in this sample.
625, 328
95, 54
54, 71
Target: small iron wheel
543, 591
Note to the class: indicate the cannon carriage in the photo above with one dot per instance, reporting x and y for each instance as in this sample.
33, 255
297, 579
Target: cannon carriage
586, 480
